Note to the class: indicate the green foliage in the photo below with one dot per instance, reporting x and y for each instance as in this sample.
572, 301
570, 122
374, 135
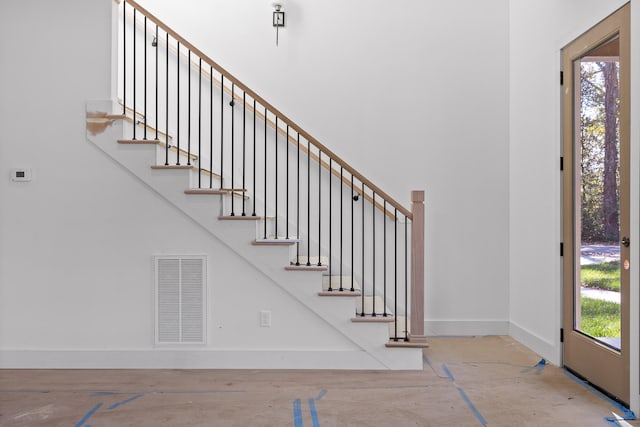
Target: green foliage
600, 319
592, 155
605, 275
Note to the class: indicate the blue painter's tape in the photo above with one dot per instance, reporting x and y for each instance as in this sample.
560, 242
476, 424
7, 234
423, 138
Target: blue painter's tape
426, 360
471, 406
115, 405
615, 420
611, 422
540, 366
314, 413
88, 415
448, 372
321, 394
627, 413
297, 413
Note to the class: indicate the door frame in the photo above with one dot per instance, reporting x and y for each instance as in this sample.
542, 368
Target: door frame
581, 353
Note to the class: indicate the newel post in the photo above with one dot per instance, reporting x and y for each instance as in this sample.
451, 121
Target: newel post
416, 333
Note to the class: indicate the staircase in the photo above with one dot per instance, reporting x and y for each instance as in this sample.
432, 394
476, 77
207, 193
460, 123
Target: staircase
250, 177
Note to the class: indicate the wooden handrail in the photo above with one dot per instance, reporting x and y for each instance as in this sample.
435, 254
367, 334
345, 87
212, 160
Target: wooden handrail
228, 76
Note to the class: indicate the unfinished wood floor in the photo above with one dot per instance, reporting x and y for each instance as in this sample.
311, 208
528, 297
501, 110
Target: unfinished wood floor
467, 381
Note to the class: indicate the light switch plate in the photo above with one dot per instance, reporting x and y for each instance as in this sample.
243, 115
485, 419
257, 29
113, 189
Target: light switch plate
265, 319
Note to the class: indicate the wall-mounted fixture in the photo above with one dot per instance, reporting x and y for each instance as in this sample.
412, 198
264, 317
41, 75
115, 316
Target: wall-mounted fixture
21, 175
278, 18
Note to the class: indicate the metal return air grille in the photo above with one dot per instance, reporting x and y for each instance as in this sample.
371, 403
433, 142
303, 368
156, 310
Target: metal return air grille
180, 299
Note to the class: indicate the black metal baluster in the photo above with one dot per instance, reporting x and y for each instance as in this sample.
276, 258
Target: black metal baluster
254, 159
244, 134
406, 283
286, 215
211, 126
373, 248
319, 207
353, 200
384, 256
166, 146
275, 220
265, 172
199, 122
373, 298
188, 108
145, 79
156, 46
178, 102
395, 274
233, 149
124, 58
221, 131
341, 224
308, 203
330, 237
298, 206
134, 75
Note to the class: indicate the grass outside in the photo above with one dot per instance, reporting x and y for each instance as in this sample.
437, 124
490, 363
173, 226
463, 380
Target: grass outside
600, 319
605, 275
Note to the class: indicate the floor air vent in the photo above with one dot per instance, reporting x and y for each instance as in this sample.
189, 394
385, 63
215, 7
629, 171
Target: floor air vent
180, 299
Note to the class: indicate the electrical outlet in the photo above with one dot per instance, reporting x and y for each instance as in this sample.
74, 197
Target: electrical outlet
265, 319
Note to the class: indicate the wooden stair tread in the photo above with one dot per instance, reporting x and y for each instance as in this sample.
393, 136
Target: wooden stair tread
406, 344
172, 167
306, 267
205, 191
276, 242
313, 260
339, 293
139, 141
239, 217
377, 319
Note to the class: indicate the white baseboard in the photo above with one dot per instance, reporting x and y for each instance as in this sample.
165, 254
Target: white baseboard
466, 327
548, 350
194, 359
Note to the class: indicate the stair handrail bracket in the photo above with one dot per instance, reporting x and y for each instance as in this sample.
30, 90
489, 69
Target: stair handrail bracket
239, 147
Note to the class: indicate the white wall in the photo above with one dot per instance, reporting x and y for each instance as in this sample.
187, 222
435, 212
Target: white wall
76, 242
414, 97
538, 31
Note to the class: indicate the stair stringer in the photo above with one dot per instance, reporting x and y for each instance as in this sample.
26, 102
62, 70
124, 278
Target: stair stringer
303, 286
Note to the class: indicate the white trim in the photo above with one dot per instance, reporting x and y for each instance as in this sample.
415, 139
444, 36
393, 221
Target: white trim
548, 350
200, 359
466, 327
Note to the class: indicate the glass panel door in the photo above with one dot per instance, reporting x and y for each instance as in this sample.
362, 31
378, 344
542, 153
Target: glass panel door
597, 305
595, 99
